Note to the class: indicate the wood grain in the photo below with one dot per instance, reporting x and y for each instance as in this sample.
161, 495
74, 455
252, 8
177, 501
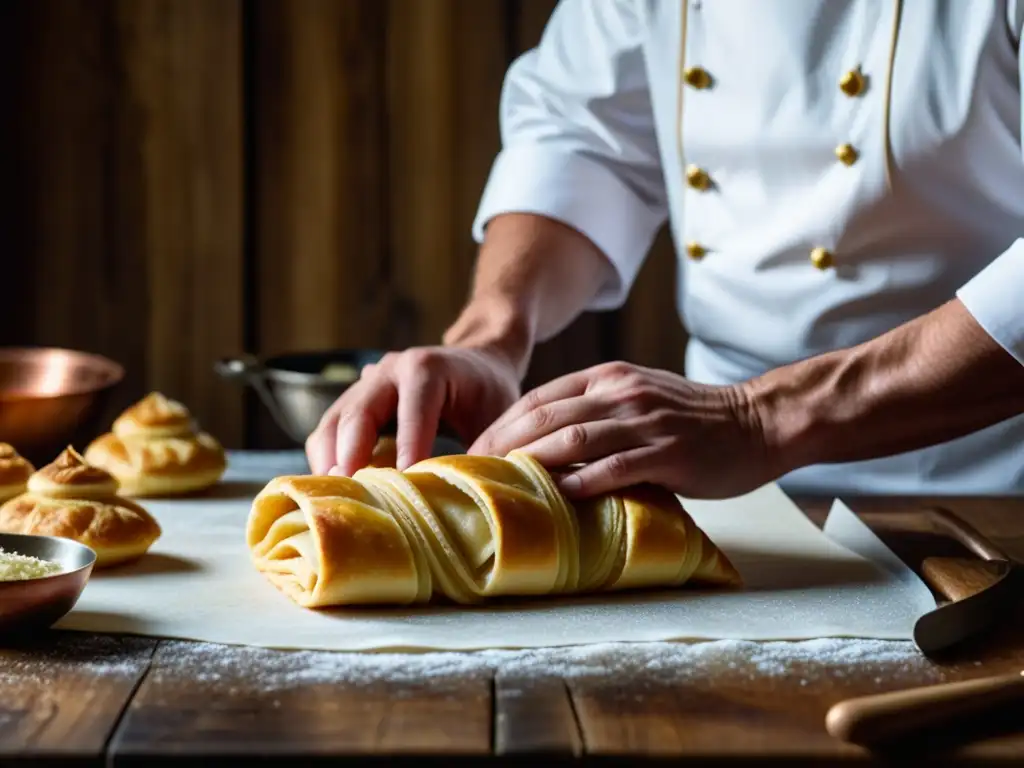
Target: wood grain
731, 709
959, 578
320, 247
216, 702
446, 64
128, 189
321, 266
64, 693
77, 221
182, 65
534, 715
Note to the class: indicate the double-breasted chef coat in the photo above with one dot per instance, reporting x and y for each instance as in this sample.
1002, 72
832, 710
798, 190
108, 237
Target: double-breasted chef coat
829, 169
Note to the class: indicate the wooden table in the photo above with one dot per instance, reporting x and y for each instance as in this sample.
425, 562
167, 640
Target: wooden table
90, 699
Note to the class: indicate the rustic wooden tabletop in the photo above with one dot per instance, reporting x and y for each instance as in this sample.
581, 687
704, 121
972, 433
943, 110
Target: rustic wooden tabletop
71, 697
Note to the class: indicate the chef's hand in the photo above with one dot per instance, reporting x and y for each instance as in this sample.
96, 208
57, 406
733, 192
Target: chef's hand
465, 387
626, 424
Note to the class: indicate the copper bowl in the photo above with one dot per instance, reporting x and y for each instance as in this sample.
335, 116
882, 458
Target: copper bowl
34, 604
51, 398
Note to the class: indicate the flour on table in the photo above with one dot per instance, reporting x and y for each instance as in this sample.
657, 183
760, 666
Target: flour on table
811, 661
73, 653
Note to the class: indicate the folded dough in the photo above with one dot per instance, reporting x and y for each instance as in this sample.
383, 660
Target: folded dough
155, 449
469, 528
15, 471
73, 500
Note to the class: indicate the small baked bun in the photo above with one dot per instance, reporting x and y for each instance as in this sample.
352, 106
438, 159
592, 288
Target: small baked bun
73, 500
156, 449
15, 471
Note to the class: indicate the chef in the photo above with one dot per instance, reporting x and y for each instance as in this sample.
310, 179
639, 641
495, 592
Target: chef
844, 184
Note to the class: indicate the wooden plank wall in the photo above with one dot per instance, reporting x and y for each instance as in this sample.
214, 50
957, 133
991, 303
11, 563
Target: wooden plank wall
188, 179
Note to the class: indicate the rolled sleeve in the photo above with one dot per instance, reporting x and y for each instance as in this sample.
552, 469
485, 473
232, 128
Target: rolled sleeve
578, 138
582, 193
995, 298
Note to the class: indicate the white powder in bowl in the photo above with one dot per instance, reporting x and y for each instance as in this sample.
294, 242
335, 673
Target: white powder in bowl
15, 567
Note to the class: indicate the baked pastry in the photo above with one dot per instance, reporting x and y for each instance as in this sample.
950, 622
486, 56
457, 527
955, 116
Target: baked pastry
15, 471
469, 528
74, 500
155, 449
385, 453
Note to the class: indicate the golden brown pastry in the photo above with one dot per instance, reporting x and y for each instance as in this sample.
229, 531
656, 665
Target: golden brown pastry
155, 449
385, 453
74, 500
15, 471
469, 528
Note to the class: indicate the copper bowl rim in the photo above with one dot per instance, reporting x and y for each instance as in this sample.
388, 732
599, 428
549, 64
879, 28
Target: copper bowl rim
113, 371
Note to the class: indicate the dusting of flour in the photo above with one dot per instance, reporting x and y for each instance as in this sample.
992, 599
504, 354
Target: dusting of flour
809, 661
72, 653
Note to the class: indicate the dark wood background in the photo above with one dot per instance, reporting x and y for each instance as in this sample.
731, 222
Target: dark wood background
189, 179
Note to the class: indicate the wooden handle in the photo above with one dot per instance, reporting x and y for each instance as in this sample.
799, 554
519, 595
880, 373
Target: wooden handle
958, 578
883, 718
947, 523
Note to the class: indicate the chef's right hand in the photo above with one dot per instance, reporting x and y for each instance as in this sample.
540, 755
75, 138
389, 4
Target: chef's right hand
467, 388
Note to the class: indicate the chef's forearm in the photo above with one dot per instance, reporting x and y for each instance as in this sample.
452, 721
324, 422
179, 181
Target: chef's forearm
934, 379
533, 277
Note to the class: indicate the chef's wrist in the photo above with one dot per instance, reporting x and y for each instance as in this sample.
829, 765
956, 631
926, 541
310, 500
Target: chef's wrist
497, 325
803, 408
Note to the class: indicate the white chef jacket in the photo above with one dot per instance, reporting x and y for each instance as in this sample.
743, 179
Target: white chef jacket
829, 170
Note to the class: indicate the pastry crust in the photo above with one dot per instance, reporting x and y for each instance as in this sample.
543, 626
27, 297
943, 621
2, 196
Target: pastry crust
71, 499
469, 529
155, 449
15, 471
385, 453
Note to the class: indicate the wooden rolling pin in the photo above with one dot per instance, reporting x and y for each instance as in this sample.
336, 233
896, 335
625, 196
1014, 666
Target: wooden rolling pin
887, 717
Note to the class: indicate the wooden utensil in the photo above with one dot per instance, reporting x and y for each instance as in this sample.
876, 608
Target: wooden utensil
888, 717
976, 603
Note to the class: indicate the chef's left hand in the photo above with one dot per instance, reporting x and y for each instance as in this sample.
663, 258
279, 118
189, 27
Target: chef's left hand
626, 424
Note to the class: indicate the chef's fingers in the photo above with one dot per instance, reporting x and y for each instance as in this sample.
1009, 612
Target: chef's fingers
321, 442
541, 422
579, 443
363, 411
421, 396
612, 473
571, 385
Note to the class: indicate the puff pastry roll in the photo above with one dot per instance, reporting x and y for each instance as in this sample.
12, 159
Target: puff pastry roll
468, 529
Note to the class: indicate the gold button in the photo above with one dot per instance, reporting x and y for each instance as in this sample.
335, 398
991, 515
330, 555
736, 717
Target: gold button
697, 77
846, 154
697, 178
853, 83
695, 251
821, 258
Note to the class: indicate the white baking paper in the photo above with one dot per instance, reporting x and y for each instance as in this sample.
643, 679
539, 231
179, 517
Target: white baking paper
198, 583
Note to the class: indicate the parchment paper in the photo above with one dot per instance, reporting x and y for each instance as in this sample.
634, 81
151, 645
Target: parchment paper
198, 583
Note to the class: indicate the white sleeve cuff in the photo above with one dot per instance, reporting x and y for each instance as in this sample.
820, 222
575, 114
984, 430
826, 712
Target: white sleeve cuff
995, 297
581, 192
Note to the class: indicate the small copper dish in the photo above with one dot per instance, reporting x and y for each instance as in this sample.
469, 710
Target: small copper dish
34, 604
51, 398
